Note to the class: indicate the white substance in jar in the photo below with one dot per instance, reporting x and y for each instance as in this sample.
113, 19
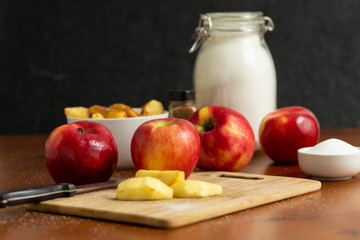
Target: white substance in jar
333, 146
236, 69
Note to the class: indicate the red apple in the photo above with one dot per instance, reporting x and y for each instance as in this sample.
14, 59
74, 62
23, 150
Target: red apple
80, 153
166, 144
286, 130
227, 139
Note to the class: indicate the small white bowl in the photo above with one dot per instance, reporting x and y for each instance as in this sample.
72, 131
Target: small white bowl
122, 129
329, 167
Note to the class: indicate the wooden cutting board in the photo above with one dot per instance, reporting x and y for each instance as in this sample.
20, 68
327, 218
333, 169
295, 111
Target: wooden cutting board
240, 191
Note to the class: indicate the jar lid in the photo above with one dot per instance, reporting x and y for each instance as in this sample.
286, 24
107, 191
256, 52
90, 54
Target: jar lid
237, 21
181, 95
228, 22
220, 18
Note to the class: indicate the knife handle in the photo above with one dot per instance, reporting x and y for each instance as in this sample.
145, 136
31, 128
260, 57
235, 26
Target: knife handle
37, 194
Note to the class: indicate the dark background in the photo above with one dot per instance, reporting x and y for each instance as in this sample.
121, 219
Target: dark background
55, 54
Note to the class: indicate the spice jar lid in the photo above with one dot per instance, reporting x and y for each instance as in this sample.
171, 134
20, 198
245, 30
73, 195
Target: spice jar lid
181, 95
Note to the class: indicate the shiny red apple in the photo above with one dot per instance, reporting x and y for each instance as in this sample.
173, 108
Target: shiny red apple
166, 144
286, 130
227, 139
80, 153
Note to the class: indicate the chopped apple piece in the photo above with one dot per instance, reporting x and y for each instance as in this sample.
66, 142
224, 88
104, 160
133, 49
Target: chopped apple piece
116, 114
152, 107
129, 111
143, 188
98, 109
196, 188
79, 112
107, 112
97, 116
169, 177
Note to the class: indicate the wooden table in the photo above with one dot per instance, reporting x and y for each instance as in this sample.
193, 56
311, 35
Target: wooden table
331, 213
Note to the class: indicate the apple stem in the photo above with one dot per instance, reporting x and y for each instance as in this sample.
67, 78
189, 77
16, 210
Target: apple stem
81, 130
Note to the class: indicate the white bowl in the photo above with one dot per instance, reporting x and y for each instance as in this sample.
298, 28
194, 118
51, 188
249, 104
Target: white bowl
122, 129
329, 167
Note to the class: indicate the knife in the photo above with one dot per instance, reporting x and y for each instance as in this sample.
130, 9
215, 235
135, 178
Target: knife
38, 194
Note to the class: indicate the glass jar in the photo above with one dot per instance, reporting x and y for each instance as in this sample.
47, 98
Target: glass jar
182, 103
234, 66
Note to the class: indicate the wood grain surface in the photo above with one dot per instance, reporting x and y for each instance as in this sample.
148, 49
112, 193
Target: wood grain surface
240, 191
330, 213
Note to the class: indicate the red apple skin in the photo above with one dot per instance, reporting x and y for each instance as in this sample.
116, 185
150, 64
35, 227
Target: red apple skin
166, 144
81, 153
286, 130
227, 139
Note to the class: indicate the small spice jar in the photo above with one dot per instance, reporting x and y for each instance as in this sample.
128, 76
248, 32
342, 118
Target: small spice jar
182, 103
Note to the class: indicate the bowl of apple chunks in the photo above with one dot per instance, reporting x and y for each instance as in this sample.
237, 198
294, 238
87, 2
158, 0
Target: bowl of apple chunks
116, 110
121, 120
166, 184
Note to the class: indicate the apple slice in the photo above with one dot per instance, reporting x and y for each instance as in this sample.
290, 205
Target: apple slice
143, 188
79, 112
169, 177
196, 188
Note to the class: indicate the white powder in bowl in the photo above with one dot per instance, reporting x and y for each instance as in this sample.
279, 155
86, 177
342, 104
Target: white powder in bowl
333, 146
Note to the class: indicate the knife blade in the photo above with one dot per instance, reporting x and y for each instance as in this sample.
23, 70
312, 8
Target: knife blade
42, 193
